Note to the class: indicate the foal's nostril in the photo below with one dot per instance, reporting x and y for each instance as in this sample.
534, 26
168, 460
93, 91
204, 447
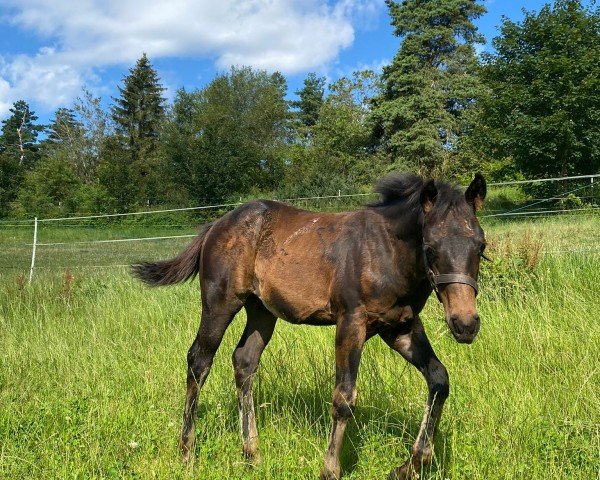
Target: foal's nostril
456, 324
461, 327
474, 325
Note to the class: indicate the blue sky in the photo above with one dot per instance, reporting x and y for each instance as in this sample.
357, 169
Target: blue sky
50, 50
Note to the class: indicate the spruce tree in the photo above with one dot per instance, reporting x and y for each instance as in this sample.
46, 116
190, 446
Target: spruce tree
138, 115
18, 151
311, 99
65, 128
430, 82
140, 109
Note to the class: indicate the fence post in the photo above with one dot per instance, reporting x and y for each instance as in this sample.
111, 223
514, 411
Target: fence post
592, 185
35, 228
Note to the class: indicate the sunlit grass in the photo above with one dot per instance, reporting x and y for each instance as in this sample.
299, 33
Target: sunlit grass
92, 369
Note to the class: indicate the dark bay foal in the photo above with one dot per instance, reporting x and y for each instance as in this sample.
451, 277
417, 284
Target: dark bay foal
369, 272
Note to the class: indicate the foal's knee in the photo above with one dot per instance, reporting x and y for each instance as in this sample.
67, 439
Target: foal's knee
344, 400
244, 365
198, 362
440, 383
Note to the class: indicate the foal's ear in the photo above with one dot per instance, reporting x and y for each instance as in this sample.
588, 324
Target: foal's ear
475, 194
428, 195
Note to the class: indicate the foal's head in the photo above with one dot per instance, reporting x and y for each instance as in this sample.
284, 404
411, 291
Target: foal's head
453, 244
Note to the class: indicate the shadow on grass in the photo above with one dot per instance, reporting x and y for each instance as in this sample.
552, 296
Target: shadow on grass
310, 406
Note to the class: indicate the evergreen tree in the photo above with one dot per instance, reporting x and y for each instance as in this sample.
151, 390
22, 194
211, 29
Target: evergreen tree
18, 151
138, 115
431, 81
543, 107
65, 129
19, 135
139, 110
311, 99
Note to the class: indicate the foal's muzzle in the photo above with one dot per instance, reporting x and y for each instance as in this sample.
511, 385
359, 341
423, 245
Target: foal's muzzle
463, 329
461, 311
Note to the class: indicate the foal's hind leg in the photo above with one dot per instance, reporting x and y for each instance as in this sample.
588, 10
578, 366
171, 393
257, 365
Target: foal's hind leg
246, 357
200, 358
414, 346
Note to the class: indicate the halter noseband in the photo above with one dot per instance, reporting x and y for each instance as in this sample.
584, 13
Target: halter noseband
444, 278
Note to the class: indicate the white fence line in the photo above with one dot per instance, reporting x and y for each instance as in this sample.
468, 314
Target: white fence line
539, 212
515, 212
82, 242
559, 197
540, 180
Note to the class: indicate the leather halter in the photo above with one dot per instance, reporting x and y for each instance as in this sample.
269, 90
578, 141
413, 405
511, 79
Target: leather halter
436, 279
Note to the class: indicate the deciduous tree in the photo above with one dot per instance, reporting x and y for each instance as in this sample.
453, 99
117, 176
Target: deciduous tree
543, 107
226, 139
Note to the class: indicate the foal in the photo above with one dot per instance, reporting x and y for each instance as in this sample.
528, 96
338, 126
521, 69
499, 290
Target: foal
368, 272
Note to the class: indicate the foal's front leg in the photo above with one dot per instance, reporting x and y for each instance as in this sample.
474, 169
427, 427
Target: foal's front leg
414, 346
349, 341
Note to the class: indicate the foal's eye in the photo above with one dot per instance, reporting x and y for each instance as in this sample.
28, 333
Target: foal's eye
431, 254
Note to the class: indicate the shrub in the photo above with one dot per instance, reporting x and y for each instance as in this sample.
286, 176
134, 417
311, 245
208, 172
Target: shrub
513, 264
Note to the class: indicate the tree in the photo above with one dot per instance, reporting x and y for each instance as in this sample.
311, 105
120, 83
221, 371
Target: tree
139, 111
117, 176
430, 83
18, 151
543, 107
64, 135
138, 115
342, 154
49, 188
311, 99
96, 128
225, 140
11, 177
65, 128
19, 134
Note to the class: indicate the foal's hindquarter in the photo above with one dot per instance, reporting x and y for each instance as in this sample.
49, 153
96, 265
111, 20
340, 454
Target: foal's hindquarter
345, 269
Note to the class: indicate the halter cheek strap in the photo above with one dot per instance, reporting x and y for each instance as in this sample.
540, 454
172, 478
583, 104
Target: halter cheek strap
445, 278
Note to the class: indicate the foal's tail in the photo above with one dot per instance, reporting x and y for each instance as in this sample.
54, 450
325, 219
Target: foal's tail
184, 266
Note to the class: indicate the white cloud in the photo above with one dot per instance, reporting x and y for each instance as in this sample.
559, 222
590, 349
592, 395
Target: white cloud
287, 35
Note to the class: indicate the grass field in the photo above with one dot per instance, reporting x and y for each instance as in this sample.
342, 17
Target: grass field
92, 368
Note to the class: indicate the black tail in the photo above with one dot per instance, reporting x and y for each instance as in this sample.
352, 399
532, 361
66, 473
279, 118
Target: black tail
184, 266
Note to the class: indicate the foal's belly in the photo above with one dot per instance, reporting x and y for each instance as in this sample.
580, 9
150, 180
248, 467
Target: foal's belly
297, 305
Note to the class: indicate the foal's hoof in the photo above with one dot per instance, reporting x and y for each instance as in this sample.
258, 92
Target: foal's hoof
329, 474
187, 455
253, 457
403, 472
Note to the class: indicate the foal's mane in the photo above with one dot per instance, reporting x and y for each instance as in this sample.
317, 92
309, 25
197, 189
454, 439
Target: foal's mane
401, 199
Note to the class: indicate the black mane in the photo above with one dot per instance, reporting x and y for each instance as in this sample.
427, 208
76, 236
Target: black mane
401, 200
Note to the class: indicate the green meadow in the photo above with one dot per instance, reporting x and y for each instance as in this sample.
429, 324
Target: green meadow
92, 369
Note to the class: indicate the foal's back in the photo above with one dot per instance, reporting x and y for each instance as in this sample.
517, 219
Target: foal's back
301, 264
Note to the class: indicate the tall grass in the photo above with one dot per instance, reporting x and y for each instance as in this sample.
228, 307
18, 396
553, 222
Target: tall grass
92, 368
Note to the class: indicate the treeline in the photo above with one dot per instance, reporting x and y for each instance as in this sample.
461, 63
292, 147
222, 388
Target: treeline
531, 109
